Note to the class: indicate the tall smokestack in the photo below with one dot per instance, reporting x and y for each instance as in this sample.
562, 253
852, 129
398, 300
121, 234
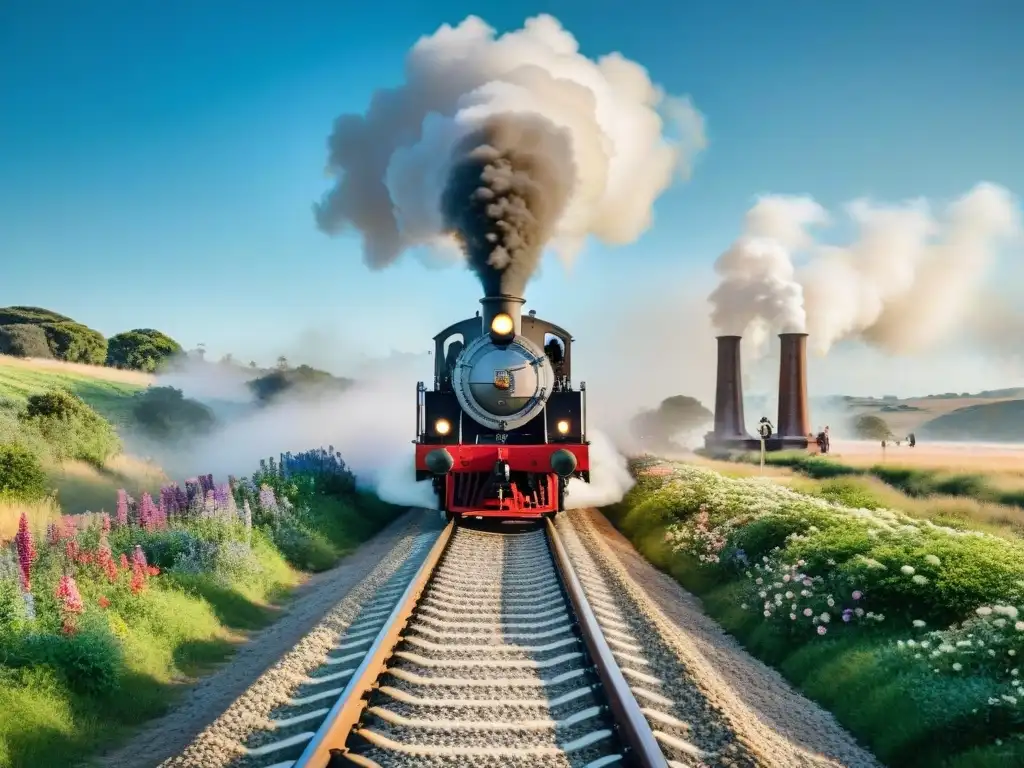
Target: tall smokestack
729, 421
510, 305
793, 422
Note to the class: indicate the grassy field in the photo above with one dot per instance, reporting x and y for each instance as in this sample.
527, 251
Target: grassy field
108, 390
908, 631
911, 414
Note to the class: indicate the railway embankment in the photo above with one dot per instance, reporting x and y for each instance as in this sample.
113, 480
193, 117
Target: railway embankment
907, 632
107, 621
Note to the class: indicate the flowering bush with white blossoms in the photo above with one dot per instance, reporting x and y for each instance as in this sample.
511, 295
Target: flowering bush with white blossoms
812, 556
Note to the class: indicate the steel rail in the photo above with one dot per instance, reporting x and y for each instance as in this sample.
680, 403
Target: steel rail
348, 708
642, 749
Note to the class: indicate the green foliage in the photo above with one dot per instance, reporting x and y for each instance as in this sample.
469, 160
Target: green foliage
142, 349
674, 416
302, 381
66, 339
899, 569
72, 429
89, 661
867, 426
24, 341
164, 413
21, 474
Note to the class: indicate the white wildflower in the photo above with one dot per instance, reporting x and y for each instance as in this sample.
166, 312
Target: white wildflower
919, 579
907, 570
932, 560
918, 623
983, 611
957, 666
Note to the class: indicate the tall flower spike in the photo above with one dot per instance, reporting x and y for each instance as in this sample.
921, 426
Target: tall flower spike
26, 552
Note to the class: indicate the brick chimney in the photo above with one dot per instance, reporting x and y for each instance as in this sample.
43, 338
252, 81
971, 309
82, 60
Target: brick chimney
729, 421
793, 423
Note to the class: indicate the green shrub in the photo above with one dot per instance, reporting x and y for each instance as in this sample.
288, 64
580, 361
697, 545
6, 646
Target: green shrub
24, 341
142, 349
302, 380
66, 339
71, 428
164, 413
89, 660
21, 474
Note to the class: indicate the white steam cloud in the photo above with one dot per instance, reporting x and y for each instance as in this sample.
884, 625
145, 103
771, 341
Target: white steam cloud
372, 425
628, 139
908, 282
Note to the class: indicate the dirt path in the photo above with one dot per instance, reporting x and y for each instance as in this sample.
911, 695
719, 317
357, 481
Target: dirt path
209, 697
774, 721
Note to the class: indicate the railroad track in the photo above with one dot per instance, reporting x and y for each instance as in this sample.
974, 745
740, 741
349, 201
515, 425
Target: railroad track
483, 652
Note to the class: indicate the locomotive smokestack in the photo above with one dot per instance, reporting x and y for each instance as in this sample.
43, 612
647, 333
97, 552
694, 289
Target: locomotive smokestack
729, 421
793, 421
510, 305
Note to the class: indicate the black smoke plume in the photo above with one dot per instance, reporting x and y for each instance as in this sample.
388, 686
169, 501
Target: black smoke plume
509, 182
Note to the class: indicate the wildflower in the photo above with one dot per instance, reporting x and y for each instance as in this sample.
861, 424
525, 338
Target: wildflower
983, 611
792, 617
789, 595
857, 594
70, 602
847, 615
831, 602
826, 617
103, 602
122, 508
743, 606
26, 552
138, 582
932, 560
139, 557
1019, 626
907, 570
918, 623
821, 630
105, 523
808, 612
919, 579
767, 614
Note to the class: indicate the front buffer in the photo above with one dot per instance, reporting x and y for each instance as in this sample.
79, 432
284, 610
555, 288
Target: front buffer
525, 481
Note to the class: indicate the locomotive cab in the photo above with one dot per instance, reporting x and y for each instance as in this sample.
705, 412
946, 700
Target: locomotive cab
503, 430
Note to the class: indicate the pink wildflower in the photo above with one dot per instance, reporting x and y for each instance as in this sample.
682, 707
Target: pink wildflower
71, 549
26, 552
821, 630
70, 602
70, 527
148, 513
139, 557
122, 507
857, 595
105, 523
52, 535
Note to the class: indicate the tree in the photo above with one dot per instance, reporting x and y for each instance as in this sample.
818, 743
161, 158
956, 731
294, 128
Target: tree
252, 364
66, 339
867, 426
674, 416
165, 413
24, 341
303, 380
227, 359
282, 363
142, 349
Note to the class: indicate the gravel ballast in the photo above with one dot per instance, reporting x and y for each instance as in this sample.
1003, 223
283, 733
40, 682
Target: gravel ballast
737, 708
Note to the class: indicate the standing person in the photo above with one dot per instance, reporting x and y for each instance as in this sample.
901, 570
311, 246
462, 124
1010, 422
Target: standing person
828, 440
911, 440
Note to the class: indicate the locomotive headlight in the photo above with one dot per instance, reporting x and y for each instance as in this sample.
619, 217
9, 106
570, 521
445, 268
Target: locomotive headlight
562, 427
502, 324
442, 426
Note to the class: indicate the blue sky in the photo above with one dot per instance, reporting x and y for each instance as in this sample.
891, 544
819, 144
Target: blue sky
159, 160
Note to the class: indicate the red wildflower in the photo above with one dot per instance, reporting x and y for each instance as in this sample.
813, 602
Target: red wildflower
26, 551
124, 561
139, 557
67, 593
71, 549
138, 579
103, 601
105, 522
70, 527
52, 535
153, 570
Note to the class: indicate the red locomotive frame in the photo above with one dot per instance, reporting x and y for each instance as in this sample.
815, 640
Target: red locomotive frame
465, 483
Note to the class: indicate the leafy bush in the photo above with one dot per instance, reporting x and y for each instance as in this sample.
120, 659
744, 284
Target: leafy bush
142, 349
674, 416
21, 475
71, 428
164, 413
870, 427
24, 341
90, 660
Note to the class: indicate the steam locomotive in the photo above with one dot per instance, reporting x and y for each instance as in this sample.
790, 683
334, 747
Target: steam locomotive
502, 431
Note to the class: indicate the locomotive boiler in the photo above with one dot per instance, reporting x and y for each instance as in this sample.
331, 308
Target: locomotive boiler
503, 430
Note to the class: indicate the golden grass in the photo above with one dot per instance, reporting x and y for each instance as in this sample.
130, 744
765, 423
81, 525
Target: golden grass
83, 488
78, 369
40, 514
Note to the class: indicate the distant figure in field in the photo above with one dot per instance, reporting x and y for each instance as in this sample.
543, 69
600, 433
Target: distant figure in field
911, 440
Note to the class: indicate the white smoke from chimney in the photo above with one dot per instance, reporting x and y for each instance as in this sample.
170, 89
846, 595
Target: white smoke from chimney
907, 282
